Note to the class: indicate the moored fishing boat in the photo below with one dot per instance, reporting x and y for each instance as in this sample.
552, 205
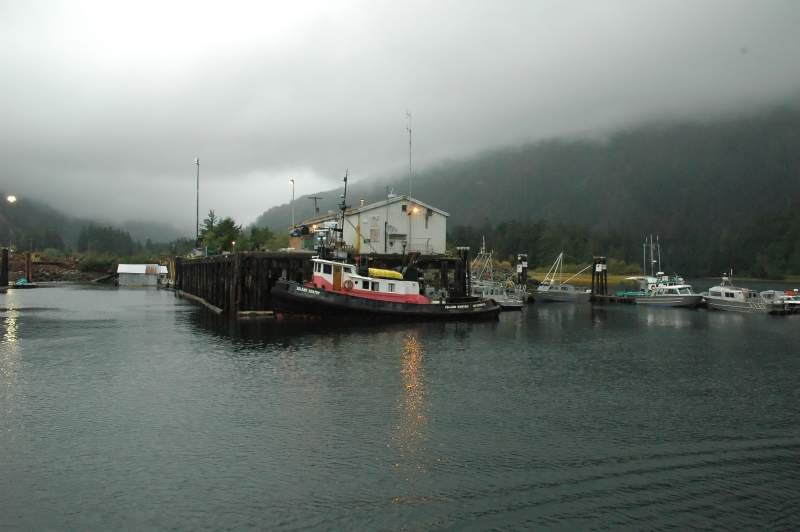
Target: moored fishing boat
726, 296
483, 284
552, 290
658, 288
338, 289
663, 290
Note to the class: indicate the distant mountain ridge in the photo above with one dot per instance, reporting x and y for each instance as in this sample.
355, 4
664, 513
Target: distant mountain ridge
30, 218
651, 176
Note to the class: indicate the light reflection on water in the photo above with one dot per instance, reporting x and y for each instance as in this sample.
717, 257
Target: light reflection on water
135, 409
411, 430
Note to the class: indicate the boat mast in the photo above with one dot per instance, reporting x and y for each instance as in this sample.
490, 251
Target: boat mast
644, 257
343, 208
658, 245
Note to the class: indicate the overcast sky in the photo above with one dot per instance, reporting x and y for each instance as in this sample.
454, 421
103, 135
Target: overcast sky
104, 104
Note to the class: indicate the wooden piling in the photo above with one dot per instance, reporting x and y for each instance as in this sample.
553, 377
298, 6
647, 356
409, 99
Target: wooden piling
28, 267
4, 268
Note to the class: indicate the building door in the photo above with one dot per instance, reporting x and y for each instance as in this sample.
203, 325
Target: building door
337, 277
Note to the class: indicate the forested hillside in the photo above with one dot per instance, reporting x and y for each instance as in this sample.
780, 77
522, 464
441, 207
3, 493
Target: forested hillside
35, 225
720, 194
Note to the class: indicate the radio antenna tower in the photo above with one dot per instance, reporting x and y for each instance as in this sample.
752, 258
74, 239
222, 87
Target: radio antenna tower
408, 128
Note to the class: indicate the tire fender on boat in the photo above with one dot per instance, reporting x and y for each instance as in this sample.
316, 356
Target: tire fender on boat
348, 284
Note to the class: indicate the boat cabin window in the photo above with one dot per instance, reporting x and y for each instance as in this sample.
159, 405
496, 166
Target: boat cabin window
728, 294
672, 291
326, 268
391, 287
715, 293
348, 269
375, 286
564, 289
366, 285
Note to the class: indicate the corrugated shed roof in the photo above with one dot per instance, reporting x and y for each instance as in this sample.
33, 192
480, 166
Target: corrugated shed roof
145, 269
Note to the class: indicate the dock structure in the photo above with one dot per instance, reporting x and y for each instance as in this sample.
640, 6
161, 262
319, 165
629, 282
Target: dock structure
600, 284
239, 284
4, 268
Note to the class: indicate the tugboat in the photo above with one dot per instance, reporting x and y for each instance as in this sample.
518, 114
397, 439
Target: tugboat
339, 289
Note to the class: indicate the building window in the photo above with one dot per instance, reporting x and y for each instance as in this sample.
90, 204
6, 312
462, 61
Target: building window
403, 207
391, 287
326, 268
375, 286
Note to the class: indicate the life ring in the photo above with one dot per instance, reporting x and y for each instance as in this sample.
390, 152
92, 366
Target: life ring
348, 284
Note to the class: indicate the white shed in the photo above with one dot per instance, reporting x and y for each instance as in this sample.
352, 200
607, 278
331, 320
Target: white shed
395, 225
138, 274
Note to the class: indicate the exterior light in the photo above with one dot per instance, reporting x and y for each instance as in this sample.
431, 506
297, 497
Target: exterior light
415, 210
11, 199
233, 243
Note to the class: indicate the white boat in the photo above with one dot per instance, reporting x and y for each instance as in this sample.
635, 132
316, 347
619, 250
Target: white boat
658, 288
552, 290
726, 296
662, 290
483, 284
789, 301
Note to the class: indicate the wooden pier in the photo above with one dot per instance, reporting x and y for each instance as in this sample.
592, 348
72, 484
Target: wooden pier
239, 284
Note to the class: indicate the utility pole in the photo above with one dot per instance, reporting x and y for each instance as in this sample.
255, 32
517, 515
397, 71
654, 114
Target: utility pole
197, 206
408, 128
292, 182
315, 198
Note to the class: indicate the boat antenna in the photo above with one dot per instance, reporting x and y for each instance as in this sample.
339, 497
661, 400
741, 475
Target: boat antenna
408, 128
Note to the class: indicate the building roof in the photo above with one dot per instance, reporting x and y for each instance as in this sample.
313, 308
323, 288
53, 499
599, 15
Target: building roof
145, 269
372, 206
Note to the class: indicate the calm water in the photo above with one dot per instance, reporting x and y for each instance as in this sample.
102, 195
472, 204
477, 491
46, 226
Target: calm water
133, 409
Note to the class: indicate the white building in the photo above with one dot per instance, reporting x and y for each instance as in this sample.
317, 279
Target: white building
397, 224
138, 274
